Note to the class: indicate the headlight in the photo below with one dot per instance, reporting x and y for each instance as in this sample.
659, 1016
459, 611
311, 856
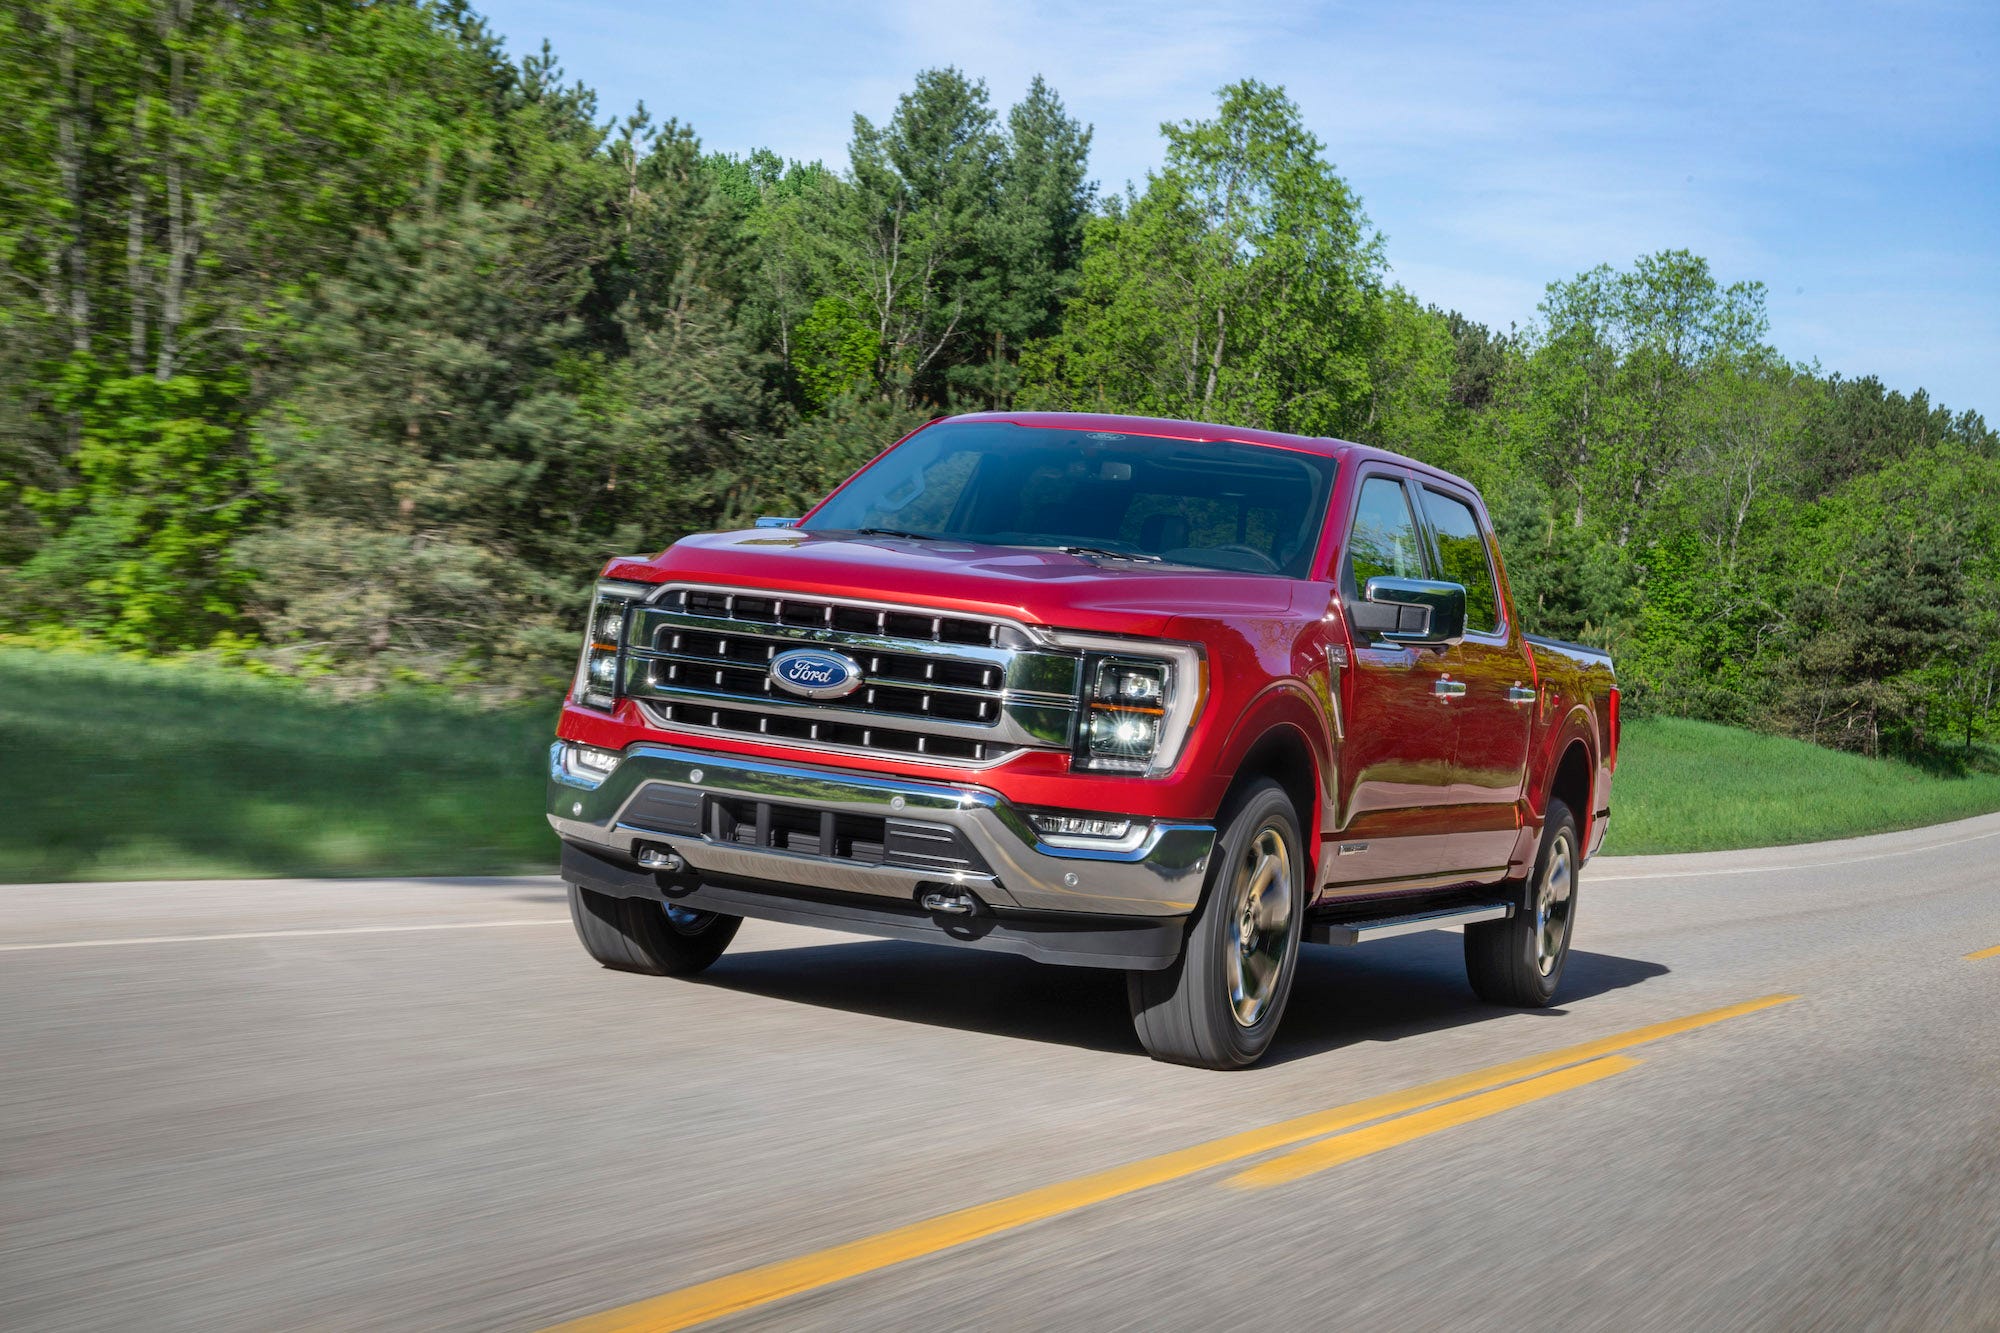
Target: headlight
1140, 699
610, 625
598, 670
1123, 714
1132, 684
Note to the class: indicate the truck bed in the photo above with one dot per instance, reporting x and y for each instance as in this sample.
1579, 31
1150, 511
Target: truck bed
1583, 652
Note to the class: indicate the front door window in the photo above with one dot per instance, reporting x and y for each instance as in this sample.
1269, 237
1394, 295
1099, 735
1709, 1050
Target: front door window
1384, 542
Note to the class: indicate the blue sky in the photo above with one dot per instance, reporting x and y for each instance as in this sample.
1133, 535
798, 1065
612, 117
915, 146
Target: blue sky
1848, 156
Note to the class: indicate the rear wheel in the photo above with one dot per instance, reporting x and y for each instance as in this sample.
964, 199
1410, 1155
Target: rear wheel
1519, 961
640, 935
1219, 1005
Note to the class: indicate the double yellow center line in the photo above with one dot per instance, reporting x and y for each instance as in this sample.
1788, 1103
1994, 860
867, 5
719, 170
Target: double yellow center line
1314, 1157
1439, 1106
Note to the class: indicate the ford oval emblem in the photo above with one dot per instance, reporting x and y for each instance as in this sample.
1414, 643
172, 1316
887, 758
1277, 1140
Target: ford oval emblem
816, 673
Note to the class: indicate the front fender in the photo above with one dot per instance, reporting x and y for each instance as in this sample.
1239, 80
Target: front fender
1287, 706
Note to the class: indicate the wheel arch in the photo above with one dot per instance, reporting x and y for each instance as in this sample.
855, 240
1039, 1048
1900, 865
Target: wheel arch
1282, 754
1571, 783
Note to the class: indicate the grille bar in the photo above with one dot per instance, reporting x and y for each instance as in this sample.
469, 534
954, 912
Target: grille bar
831, 733
795, 636
847, 617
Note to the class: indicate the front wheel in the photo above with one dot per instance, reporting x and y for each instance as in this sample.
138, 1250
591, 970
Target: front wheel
1519, 961
1219, 1005
641, 935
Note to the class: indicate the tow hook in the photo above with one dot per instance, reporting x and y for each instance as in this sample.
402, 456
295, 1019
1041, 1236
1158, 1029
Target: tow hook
952, 902
654, 857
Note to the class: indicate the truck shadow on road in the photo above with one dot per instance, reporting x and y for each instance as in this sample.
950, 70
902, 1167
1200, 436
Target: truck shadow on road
1416, 983
1381, 992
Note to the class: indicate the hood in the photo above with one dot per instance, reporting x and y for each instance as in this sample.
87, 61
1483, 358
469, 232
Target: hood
1043, 587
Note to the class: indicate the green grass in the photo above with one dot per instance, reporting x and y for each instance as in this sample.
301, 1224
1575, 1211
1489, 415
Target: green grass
1696, 787
119, 769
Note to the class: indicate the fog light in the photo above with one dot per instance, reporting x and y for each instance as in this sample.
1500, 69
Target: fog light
586, 765
597, 761
1079, 826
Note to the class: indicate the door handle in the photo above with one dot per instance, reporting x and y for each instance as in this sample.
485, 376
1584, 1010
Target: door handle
1450, 689
1520, 694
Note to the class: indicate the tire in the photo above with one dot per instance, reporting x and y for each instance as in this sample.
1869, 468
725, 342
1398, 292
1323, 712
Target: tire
640, 935
1519, 961
1219, 1005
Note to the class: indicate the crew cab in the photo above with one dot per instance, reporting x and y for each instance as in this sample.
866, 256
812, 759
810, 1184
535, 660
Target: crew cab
1099, 691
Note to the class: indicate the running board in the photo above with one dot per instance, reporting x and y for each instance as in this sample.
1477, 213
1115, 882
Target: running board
1381, 928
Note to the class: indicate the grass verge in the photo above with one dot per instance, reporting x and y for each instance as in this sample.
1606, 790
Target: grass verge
119, 769
1697, 787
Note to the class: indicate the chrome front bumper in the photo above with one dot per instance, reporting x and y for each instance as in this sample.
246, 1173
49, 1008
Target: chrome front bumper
1156, 872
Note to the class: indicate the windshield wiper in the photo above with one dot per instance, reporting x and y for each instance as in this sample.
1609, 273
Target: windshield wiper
897, 532
1104, 554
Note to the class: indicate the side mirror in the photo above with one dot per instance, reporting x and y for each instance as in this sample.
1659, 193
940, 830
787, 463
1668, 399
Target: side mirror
1425, 613
766, 521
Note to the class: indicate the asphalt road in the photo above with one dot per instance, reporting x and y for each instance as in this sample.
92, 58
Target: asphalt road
415, 1104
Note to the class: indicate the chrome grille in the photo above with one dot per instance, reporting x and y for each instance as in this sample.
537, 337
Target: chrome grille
956, 688
914, 687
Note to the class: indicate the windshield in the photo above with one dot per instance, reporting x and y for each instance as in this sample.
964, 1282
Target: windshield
1251, 508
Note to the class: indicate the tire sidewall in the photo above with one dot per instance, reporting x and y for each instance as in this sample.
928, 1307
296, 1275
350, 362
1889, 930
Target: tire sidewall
1209, 948
1560, 824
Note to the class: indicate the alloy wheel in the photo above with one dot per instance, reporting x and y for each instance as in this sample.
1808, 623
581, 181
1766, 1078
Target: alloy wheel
1553, 897
1261, 907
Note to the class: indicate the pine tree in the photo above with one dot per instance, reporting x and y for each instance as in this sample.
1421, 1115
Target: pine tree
412, 454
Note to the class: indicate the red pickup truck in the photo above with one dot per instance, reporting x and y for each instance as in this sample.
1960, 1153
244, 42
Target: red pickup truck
1104, 691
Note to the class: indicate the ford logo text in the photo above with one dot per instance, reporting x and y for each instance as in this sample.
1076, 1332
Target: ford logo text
816, 673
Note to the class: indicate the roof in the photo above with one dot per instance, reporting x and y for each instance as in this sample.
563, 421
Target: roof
1163, 427
1171, 429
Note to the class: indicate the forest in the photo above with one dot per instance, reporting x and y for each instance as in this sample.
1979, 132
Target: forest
337, 343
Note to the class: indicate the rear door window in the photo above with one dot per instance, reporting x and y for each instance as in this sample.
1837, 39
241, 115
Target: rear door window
1463, 558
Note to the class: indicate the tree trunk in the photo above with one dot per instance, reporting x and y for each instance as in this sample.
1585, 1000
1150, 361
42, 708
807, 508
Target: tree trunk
69, 152
1215, 360
182, 237
135, 243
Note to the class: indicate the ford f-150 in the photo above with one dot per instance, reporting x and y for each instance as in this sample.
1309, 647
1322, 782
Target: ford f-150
1104, 691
